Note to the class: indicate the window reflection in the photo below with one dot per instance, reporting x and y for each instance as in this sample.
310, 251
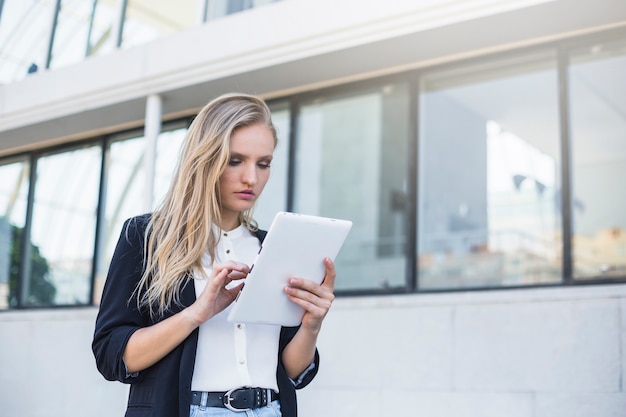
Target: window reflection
351, 163
70, 35
13, 200
489, 186
84, 27
102, 34
63, 228
146, 20
24, 33
598, 131
220, 8
274, 196
168, 148
125, 178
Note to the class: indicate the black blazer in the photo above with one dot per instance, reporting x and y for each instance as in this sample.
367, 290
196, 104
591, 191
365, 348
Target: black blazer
164, 389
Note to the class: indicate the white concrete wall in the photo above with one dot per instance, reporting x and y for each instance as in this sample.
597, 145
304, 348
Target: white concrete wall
523, 353
47, 368
551, 352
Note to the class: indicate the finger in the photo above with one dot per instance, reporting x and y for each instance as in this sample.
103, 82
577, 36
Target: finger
235, 275
322, 298
331, 274
317, 309
305, 284
308, 289
219, 279
233, 270
232, 266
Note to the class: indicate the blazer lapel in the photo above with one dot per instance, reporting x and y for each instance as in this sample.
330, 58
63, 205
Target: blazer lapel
188, 293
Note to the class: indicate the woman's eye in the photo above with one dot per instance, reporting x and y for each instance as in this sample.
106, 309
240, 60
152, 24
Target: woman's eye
234, 162
264, 165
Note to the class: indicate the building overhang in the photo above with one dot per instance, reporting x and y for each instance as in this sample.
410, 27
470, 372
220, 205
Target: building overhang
284, 48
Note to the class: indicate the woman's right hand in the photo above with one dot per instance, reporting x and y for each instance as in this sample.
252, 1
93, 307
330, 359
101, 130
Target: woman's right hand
150, 344
215, 297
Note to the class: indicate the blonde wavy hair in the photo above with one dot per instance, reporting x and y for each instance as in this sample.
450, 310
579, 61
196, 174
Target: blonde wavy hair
180, 230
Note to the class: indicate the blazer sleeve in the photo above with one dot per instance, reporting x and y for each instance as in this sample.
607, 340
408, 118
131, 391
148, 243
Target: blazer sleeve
119, 317
286, 334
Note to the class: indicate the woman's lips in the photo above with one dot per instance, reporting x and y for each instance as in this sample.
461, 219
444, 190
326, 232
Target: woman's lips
246, 195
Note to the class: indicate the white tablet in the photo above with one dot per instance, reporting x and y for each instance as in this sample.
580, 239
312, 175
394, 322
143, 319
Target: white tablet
295, 246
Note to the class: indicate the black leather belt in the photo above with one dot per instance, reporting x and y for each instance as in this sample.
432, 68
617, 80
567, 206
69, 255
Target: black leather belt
239, 399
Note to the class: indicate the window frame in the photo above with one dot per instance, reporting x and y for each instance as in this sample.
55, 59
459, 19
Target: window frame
412, 77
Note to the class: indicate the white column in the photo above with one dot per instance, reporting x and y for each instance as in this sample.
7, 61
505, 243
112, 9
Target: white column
154, 109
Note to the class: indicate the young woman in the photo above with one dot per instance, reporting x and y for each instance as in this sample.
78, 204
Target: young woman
162, 322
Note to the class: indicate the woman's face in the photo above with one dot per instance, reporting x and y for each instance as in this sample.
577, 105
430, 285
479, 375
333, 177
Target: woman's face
251, 150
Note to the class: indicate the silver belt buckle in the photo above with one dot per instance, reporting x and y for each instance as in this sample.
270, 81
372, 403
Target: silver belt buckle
226, 401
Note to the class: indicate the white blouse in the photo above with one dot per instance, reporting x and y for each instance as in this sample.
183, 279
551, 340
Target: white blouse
232, 355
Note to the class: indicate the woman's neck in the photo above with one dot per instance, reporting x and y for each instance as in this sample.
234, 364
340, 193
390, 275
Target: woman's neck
229, 222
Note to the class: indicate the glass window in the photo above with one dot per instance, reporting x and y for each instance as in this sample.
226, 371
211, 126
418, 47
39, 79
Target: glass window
146, 20
489, 186
220, 8
102, 32
84, 27
274, 196
25, 27
13, 200
125, 178
168, 148
71, 32
597, 84
351, 163
63, 228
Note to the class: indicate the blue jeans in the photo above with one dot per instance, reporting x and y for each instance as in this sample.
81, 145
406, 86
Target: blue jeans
271, 410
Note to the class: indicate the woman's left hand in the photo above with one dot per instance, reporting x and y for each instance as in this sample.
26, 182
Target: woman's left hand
315, 299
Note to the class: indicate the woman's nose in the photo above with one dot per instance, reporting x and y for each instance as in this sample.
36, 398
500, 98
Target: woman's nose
250, 175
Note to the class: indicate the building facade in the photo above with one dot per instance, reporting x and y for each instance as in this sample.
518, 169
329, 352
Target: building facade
478, 146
